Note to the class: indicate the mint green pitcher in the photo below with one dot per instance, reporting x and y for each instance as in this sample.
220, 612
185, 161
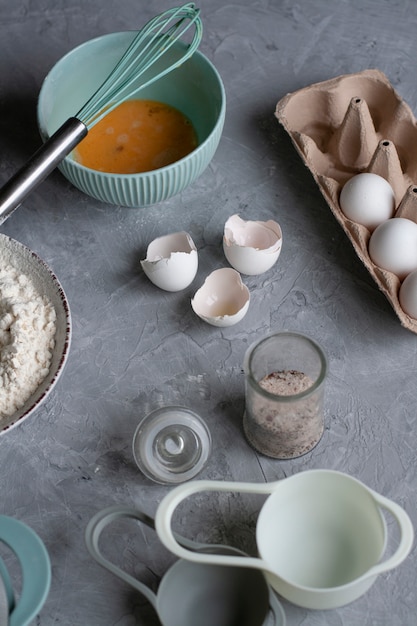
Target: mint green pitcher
35, 568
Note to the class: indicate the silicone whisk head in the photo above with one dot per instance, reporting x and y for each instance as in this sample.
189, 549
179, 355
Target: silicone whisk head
146, 60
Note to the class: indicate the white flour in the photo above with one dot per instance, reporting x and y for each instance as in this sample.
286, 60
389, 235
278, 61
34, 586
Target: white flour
27, 338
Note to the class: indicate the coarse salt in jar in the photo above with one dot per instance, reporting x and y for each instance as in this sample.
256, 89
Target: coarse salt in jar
285, 374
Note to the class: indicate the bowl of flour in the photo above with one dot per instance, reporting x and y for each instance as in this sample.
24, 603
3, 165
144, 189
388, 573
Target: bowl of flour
35, 332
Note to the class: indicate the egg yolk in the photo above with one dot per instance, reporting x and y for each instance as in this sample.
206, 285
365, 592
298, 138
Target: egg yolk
137, 136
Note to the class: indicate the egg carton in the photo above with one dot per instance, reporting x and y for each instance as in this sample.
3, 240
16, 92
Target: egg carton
352, 124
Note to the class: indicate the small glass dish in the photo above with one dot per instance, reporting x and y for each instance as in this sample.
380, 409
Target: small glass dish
171, 445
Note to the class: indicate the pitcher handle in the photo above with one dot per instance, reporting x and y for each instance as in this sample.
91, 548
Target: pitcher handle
95, 527
277, 610
170, 502
406, 535
7, 581
112, 513
35, 568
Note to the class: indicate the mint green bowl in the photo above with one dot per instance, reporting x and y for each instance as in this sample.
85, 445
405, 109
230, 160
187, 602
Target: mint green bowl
195, 88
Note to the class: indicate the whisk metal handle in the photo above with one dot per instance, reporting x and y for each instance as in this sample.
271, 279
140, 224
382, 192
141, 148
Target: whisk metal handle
40, 165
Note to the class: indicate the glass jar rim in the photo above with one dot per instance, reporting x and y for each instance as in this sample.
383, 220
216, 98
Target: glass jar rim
295, 396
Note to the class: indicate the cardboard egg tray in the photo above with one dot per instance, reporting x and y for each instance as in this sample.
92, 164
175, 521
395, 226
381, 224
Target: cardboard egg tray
351, 124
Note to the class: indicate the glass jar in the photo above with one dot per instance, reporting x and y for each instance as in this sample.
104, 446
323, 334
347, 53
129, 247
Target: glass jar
171, 445
285, 375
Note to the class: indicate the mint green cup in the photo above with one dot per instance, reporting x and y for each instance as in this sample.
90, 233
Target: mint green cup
195, 88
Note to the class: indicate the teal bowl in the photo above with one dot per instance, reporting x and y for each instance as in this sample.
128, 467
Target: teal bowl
195, 88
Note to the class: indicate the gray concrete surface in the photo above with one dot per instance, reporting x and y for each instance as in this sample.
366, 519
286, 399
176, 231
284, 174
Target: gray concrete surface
135, 348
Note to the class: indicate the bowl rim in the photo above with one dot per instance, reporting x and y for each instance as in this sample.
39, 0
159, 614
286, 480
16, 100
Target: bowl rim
70, 162
36, 399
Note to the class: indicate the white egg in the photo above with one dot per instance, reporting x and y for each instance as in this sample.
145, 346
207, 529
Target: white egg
393, 246
408, 294
367, 199
171, 261
223, 299
251, 247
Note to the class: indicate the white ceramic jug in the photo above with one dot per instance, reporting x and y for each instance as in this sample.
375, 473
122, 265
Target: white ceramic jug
320, 534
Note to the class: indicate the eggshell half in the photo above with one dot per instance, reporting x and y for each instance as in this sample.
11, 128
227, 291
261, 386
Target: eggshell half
251, 247
223, 299
171, 261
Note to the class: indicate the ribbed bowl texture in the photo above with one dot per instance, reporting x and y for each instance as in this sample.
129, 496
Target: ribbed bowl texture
195, 88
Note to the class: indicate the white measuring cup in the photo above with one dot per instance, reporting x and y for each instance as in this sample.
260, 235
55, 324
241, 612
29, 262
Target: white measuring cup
195, 593
321, 535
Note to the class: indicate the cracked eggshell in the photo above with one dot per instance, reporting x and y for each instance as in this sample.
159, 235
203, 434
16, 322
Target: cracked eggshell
251, 247
223, 299
171, 261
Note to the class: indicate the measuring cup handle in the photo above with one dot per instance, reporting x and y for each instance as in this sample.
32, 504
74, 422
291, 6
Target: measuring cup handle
406, 534
277, 611
170, 502
92, 535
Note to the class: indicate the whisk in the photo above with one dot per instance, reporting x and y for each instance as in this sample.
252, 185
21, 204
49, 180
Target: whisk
144, 62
